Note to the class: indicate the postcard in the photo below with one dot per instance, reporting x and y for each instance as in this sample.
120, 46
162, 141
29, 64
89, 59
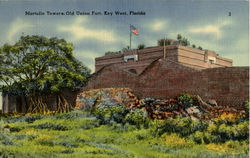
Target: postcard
128, 78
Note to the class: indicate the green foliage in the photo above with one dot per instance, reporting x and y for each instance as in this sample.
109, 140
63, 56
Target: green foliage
141, 46
51, 126
36, 64
181, 125
161, 42
184, 42
138, 117
216, 133
85, 138
109, 52
76, 114
109, 115
26, 118
125, 49
200, 48
186, 100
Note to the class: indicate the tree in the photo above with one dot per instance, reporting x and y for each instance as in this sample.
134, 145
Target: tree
141, 46
125, 49
161, 42
200, 48
37, 65
179, 37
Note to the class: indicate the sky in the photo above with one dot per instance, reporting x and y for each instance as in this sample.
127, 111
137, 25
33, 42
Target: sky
206, 23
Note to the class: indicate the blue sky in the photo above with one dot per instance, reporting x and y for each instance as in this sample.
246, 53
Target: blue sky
205, 23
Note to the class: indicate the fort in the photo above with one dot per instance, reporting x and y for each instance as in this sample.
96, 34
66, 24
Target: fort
136, 61
168, 71
161, 72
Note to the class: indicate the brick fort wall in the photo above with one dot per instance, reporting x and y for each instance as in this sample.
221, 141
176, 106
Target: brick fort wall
167, 78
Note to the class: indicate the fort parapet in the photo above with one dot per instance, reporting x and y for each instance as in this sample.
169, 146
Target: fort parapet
184, 70
136, 61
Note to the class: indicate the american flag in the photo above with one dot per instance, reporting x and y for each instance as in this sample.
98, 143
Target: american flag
134, 30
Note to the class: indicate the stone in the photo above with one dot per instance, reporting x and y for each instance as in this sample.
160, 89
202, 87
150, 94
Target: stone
212, 102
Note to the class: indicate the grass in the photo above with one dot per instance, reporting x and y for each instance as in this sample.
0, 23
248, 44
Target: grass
80, 134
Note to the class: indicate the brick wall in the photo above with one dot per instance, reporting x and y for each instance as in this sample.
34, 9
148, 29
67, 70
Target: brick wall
168, 79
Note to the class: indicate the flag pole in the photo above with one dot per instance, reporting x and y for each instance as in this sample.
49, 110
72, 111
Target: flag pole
164, 47
130, 36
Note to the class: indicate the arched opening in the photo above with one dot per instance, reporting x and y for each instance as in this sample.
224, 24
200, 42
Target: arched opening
132, 71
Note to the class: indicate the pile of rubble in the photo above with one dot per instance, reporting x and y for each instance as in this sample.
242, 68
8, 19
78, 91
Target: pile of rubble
106, 97
156, 108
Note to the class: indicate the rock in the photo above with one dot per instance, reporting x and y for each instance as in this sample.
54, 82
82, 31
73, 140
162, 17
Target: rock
85, 103
194, 111
212, 102
106, 97
156, 108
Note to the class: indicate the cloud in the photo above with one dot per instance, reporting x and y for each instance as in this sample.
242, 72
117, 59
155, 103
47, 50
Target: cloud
17, 27
210, 29
88, 58
158, 25
78, 31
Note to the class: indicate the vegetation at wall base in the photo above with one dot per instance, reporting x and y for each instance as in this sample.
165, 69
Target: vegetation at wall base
117, 131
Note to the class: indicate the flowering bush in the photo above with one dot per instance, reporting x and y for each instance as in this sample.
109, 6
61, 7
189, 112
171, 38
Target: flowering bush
174, 141
228, 118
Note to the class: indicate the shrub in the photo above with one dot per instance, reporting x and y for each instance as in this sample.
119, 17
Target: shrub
26, 118
186, 100
174, 141
109, 115
215, 133
197, 137
45, 140
66, 144
73, 115
227, 118
138, 117
51, 126
229, 146
67, 151
181, 125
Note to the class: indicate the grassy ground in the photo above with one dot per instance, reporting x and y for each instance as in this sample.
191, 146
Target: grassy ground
80, 134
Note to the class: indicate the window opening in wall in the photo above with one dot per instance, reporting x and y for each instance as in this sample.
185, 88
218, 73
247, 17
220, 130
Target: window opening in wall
211, 61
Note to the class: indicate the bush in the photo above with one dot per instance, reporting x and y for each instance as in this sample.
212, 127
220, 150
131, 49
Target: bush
186, 100
51, 126
230, 147
215, 133
73, 115
227, 118
181, 125
174, 141
138, 117
45, 140
110, 115
26, 118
